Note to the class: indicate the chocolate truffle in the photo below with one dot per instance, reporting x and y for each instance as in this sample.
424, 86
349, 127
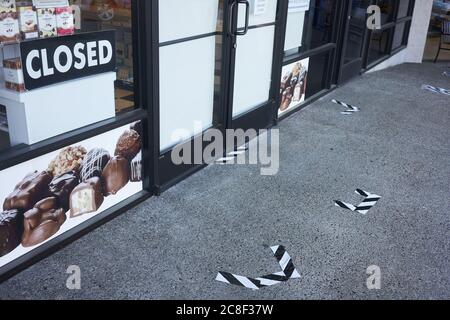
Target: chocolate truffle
42, 222
94, 163
129, 145
11, 230
87, 197
69, 159
62, 186
136, 168
137, 126
115, 175
30, 190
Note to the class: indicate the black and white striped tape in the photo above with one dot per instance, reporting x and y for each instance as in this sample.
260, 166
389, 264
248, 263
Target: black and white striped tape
286, 264
368, 203
350, 108
436, 89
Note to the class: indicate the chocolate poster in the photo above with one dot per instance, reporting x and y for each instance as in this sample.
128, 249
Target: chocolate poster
47, 196
293, 85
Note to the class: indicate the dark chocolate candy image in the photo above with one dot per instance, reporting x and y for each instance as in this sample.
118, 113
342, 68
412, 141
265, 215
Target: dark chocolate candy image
136, 168
129, 145
30, 190
87, 197
11, 230
62, 186
94, 163
115, 175
42, 222
137, 126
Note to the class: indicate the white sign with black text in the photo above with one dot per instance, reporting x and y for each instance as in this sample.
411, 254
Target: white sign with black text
54, 60
259, 7
298, 5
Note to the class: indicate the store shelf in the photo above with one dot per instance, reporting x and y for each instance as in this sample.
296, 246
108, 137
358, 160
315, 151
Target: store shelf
11, 94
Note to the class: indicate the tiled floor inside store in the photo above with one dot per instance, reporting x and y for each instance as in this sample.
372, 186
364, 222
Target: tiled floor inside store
225, 218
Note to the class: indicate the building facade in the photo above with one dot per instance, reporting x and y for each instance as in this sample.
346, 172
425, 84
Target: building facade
97, 94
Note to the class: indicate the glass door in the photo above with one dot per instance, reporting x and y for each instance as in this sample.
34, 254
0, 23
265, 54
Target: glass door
192, 71
217, 59
190, 68
254, 33
354, 39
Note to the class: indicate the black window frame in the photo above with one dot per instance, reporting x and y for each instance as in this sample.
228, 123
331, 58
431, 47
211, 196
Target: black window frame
390, 27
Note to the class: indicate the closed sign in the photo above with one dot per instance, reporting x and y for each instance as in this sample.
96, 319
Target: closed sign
54, 60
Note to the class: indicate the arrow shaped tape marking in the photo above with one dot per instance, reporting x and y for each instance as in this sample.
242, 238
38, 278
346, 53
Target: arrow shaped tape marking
286, 264
368, 203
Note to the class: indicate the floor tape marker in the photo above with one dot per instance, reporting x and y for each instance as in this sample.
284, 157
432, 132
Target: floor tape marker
285, 262
436, 89
368, 203
350, 108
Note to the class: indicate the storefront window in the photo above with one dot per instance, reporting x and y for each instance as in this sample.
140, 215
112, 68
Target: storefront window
394, 29
71, 149
27, 112
311, 28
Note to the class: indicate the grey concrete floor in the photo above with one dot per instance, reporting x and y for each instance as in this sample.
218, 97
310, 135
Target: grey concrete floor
226, 217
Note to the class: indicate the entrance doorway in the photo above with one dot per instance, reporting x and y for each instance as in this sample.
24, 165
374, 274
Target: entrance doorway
217, 68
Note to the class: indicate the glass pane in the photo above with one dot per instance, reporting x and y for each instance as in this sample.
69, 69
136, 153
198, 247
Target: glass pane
96, 98
399, 35
312, 28
357, 28
179, 19
263, 16
403, 8
253, 63
318, 66
387, 10
379, 44
187, 107
253, 69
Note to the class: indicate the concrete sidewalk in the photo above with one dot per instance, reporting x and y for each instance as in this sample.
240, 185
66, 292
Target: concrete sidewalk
226, 217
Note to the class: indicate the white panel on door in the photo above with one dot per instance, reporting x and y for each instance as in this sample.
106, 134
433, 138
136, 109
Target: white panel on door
294, 30
186, 18
261, 12
254, 57
186, 88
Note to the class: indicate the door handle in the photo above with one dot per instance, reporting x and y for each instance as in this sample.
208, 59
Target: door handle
231, 29
247, 17
230, 19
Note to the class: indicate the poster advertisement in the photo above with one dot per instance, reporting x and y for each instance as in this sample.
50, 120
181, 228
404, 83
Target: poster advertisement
298, 5
49, 195
293, 85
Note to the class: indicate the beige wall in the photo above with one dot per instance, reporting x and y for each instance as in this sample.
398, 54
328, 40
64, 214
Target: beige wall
417, 38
